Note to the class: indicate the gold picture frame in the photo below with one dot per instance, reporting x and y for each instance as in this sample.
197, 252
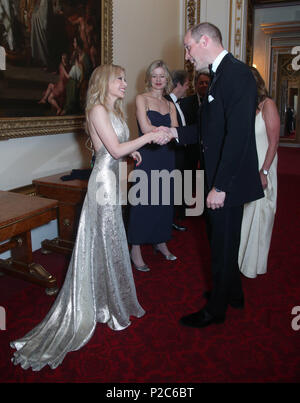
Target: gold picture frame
192, 18
15, 127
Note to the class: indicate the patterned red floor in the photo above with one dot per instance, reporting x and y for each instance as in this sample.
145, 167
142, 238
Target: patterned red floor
257, 344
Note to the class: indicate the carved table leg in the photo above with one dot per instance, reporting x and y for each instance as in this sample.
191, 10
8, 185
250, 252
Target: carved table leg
57, 245
21, 265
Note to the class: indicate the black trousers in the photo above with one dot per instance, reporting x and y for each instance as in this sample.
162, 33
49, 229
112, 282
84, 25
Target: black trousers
180, 164
224, 229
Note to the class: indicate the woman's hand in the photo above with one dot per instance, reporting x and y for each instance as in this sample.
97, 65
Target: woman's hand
137, 157
264, 179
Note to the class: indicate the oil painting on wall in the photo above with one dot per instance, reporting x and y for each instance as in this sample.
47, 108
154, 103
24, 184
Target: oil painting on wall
51, 46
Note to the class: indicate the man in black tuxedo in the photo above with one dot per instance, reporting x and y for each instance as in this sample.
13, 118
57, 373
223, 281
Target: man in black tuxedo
181, 83
227, 139
190, 106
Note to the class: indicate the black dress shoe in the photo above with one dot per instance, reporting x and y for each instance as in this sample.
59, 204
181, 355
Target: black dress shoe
179, 227
237, 303
201, 319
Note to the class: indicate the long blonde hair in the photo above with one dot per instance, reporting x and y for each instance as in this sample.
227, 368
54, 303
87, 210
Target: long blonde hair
159, 63
97, 92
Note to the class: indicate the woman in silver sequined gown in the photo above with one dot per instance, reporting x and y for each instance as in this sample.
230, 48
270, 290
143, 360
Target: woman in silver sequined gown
99, 285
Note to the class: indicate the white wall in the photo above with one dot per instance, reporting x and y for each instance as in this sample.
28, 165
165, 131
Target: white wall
144, 31
217, 12
25, 159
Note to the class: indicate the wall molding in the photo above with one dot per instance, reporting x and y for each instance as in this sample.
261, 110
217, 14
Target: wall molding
192, 17
236, 34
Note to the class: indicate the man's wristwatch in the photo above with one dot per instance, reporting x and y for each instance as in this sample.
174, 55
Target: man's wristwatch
218, 190
265, 172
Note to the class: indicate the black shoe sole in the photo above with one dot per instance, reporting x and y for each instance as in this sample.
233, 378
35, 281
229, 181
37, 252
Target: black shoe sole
182, 229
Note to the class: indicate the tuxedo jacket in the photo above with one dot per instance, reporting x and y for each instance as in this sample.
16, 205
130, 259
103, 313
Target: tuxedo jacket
178, 148
226, 132
177, 113
190, 108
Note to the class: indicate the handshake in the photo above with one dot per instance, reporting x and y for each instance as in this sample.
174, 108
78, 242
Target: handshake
163, 135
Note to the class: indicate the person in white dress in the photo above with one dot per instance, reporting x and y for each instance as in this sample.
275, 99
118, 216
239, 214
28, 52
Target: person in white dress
99, 284
258, 217
39, 39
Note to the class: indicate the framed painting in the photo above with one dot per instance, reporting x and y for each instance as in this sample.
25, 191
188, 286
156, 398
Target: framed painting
51, 47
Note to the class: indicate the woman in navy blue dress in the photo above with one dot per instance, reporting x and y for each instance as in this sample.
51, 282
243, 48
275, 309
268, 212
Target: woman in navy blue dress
152, 224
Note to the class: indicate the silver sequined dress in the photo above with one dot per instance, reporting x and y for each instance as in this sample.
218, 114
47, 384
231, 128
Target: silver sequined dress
99, 284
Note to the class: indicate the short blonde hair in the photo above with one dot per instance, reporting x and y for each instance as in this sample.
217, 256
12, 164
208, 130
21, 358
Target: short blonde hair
97, 92
154, 65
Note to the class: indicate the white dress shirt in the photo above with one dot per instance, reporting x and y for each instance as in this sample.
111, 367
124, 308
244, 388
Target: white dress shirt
174, 99
218, 60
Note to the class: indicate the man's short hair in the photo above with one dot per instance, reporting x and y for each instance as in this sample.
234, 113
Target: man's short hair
206, 28
179, 76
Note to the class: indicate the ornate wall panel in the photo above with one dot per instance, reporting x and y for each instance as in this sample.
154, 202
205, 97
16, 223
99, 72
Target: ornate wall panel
192, 17
237, 24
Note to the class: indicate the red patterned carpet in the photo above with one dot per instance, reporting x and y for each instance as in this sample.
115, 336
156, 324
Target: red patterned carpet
257, 344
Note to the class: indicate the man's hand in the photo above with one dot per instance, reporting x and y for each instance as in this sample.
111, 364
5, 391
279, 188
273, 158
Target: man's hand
169, 130
215, 199
161, 136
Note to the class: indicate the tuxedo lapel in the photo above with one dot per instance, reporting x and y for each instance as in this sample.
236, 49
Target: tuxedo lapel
214, 80
177, 113
179, 120
218, 73
226, 59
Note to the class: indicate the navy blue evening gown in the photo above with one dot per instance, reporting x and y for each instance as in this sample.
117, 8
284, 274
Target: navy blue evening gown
153, 223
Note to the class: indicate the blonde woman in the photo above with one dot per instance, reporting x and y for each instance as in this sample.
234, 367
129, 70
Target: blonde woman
99, 285
152, 224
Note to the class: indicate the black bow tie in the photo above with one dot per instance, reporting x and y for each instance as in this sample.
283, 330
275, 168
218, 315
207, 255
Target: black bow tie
211, 72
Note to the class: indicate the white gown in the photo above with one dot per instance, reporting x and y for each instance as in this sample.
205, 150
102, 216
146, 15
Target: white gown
39, 31
99, 284
258, 218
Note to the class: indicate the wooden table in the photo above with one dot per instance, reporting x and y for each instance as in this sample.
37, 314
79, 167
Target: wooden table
70, 196
19, 214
